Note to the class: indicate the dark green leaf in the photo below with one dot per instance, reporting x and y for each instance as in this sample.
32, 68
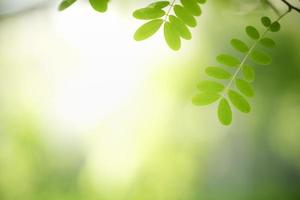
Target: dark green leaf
148, 29
217, 72
185, 16
171, 36
159, 4
228, 60
244, 87
239, 45
239, 101
266, 21
267, 42
210, 86
148, 13
205, 98
252, 32
275, 27
261, 58
99, 5
192, 6
224, 112
248, 73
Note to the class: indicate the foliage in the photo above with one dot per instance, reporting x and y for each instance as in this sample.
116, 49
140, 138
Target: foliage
175, 26
98, 5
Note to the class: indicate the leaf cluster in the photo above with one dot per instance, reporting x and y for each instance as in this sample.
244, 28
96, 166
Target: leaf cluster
176, 26
231, 85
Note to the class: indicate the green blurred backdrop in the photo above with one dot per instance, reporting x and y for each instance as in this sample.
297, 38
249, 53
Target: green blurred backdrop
86, 113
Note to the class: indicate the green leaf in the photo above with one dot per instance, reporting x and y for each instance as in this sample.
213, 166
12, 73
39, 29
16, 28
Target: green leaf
65, 4
217, 72
201, 1
171, 36
261, 58
267, 42
99, 5
239, 45
148, 13
244, 87
148, 29
205, 98
181, 28
252, 32
248, 73
159, 4
239, 101
228, 60
275, 27
210, 86
192, 6
185, 16
266, 21
224, 112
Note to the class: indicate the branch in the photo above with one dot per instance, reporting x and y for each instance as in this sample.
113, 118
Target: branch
291, 7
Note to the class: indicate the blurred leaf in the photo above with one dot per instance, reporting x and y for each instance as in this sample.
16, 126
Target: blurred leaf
239, 101
185, 16
228, 60
205, 98
148, 29
65, 4
99, 5
217, 72
244, 87
239, 45
192, 6
224, 112
275, 27
266, 21
261, 58
171, 36
248, 73
267, 42
210, 86
252, 32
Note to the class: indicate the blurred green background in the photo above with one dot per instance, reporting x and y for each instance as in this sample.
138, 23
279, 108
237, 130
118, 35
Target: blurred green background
86, 113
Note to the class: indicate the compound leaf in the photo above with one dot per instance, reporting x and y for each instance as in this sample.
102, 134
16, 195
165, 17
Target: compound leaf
239, 45
181, 28
267, 42
252, 32
275, 27
248, 73
266, 21
148, 13
185, 16
192, 6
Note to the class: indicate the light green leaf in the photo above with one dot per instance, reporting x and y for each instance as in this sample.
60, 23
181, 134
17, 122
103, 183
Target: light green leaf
252, 32
244, 87
239, 45
228, 60
192, 6
99, 5
205, 98
148, 29
171, 36
224, 112
217, 72
159, 4
248, 73
65, 4
275, 27
266, 21
267, 42
239, 101
181, 28
261, 58
148, 13
210, 86
185, 16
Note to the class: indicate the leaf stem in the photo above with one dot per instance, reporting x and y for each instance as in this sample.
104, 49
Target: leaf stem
241, 65
169, 10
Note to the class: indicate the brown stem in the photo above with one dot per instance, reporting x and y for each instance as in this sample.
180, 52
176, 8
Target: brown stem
291, 7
